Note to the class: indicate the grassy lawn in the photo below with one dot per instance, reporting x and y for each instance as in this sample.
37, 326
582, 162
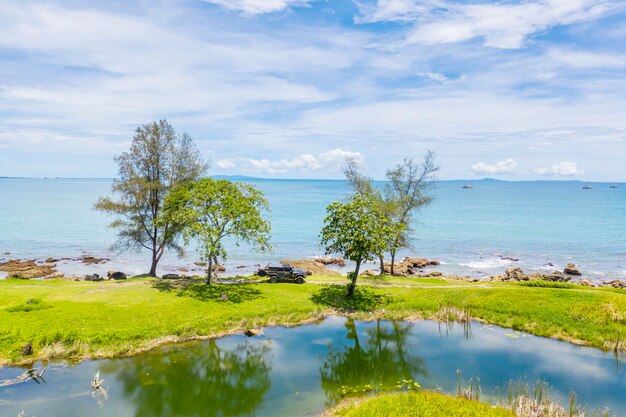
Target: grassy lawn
416, 404
84, 319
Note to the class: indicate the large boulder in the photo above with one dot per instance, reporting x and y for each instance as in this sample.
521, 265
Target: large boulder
312, 267
171, 276
556, 276
616, 284
409, 266
515, 274
571, 269
116, 275
329, 260
93, 278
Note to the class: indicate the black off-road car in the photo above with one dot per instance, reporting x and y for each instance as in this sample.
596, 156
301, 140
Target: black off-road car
283, 272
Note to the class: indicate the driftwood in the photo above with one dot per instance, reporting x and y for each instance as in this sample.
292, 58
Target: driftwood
33, 374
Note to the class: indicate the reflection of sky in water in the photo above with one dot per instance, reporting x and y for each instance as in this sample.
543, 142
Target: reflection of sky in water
295, 357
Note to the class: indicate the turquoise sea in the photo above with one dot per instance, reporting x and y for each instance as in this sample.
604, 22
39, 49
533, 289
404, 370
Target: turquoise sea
544, 224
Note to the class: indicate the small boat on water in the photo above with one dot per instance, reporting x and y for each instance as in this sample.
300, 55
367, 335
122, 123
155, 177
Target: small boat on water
587, 187
613, 186
467, 186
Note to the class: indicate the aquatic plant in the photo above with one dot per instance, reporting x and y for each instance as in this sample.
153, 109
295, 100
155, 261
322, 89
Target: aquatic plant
538, 402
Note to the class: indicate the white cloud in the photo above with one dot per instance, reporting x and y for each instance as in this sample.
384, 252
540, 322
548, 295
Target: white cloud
563, 169
501, 167
435, 76
225, 164
505, 25
330, 161
252, 7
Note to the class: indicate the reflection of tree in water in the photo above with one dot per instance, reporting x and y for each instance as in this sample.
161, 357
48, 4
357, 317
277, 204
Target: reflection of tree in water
382, 358
203, 380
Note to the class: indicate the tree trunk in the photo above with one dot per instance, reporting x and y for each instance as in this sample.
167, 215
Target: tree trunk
208, 270
382, 264
352, 285
393, 260
155, 260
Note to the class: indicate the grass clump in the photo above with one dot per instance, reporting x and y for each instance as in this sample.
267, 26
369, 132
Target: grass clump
547, 284
416, 404
31, 304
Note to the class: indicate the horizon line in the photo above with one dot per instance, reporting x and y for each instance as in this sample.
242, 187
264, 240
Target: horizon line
247, 177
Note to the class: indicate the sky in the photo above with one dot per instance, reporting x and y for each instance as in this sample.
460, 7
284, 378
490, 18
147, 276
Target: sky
509, 89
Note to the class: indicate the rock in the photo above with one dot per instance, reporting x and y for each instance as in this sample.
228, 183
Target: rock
506, 258
515, 274
616, 284
55, 275
368, 273
329, 260
91, 260
51, 260
571, 269
409, 266
27, 349
116, 275
587, 283
240, 266
556, 276
25, 269
170, 276
253, 332
200, 263
312, 267
93, 278
430, 274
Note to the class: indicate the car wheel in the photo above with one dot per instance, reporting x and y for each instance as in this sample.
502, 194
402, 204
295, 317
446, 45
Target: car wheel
273, 280
300, 280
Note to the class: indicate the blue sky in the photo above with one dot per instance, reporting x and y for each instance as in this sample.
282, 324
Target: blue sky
517, 89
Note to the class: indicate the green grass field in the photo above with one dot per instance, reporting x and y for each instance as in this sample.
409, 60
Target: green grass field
416, 404
83, 319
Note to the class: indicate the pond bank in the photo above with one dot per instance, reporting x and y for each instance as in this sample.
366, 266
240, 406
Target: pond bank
301, 371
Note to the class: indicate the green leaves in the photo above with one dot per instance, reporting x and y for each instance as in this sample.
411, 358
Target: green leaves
357, 229
158, 161
211, 210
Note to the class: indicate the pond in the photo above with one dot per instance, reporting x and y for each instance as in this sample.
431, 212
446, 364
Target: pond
300, 371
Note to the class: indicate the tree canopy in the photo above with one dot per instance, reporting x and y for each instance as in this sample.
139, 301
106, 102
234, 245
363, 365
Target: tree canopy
403, 194
211, 210
356, 229
158, 161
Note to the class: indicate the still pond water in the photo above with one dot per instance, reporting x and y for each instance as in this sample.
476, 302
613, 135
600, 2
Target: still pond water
299, 371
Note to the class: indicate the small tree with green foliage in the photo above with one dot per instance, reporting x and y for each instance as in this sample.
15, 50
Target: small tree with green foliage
211, 211
356, 229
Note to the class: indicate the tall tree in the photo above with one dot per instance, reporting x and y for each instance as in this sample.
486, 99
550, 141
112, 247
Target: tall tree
405, 193
211, 211
158, 161
356, 229
362, 184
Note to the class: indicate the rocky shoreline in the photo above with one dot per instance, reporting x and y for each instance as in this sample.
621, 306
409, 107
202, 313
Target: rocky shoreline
409, 267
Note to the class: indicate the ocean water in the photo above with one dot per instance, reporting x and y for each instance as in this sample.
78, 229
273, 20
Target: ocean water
544, 224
